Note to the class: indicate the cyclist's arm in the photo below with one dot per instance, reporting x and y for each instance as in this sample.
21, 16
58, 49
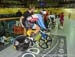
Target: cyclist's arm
21, 18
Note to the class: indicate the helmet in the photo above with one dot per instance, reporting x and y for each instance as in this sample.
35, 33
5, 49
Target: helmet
43, 12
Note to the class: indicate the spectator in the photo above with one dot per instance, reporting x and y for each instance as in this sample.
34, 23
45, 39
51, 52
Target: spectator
19, 13
61, 19
69, 16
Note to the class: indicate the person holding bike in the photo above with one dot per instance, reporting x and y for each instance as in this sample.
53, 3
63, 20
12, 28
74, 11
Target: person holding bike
25, 20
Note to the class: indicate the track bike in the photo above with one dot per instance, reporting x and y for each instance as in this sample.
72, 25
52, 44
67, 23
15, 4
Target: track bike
43, 39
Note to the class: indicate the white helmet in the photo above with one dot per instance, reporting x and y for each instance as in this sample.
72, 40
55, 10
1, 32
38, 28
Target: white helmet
43, 12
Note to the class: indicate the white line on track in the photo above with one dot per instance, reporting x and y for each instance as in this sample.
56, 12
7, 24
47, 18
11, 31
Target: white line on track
51, 49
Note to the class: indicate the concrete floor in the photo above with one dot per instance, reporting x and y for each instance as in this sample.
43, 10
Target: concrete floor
68, 31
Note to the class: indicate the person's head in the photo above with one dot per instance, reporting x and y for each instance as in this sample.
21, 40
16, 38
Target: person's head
31, 8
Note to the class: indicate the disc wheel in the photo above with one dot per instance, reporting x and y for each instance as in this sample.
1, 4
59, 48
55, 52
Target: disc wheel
21, 42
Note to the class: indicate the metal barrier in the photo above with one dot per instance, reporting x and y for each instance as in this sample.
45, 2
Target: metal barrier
7, 19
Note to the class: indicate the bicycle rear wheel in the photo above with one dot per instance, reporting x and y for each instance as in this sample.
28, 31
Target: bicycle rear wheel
21, 42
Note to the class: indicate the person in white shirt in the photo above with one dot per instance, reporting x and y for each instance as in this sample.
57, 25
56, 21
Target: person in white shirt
51, 17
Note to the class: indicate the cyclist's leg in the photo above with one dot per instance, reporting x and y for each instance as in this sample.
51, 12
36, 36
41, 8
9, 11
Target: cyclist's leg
37, 28
33, 33
44, 36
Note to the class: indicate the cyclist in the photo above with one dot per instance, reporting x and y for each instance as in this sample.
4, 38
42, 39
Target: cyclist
52, 17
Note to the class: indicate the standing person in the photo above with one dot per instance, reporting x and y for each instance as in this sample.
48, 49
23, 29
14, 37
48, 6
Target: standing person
19, 13
24, 17
26, 23
61, 20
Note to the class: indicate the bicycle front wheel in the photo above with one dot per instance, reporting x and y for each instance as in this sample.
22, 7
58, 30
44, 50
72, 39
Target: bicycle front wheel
45, 43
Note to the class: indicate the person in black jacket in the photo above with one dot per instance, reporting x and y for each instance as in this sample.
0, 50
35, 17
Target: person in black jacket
19, 13
24, 22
